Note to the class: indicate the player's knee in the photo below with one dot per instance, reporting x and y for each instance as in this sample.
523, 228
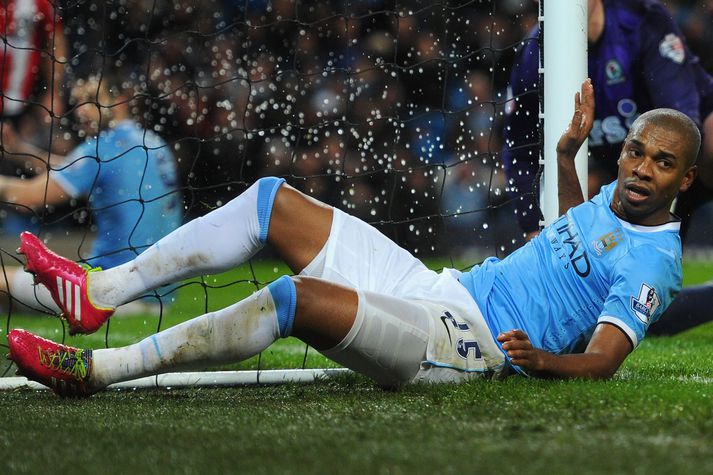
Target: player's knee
325, 311
318, 311
267, 191
307, 291
301, 295
284, 296
308, 288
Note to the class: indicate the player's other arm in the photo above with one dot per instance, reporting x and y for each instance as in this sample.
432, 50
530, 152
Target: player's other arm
569, 192
605, 352
32, 193
36, 159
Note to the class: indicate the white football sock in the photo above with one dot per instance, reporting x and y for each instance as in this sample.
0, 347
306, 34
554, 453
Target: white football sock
216, 242
229, 335
22, 288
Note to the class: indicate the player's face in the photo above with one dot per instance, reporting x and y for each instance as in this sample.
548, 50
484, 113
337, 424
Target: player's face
652, 170
88, 115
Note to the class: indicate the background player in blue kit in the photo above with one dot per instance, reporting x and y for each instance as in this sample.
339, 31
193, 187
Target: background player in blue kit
126, 174
638, 60
573, 302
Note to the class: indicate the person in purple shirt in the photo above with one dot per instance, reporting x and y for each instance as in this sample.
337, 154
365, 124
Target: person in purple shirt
638, 61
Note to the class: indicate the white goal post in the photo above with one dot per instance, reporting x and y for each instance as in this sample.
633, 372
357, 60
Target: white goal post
202, 379
563, 67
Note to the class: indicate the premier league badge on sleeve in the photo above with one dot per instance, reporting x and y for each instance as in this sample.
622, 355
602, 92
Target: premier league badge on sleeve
646, 304
671, 47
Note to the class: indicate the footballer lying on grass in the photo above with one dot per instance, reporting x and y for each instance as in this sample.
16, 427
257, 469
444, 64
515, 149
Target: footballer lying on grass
573, 302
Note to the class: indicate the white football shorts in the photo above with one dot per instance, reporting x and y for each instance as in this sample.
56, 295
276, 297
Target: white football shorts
412, 324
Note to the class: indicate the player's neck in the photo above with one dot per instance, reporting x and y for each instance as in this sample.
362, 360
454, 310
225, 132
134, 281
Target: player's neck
120, 113
656, 219
595, 22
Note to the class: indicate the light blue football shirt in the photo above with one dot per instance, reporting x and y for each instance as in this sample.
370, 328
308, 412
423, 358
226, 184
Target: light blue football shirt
129, 177
588, 267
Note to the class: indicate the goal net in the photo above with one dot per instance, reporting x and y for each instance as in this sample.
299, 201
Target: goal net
390, 110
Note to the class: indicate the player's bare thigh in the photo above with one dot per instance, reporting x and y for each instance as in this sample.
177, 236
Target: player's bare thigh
299, 227
380, 336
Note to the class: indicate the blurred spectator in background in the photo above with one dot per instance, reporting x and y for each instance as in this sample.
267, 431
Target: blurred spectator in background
695, 19
243, 90
474, 195
31, 70
32, 60
127, 174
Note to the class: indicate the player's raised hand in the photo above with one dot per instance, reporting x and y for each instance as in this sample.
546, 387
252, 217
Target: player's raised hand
581, 123
519, 349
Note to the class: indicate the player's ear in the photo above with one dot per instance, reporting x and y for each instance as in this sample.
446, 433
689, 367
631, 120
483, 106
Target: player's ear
688, 178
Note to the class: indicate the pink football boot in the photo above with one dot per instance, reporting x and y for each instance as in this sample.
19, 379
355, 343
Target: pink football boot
67, 282
63, 368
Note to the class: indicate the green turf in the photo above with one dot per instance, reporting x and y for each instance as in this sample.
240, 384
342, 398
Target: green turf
653, 417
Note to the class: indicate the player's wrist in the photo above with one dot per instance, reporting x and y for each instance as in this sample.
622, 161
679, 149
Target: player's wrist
541, 360
566, 156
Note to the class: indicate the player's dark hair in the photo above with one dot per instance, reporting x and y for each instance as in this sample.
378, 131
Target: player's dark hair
673, 119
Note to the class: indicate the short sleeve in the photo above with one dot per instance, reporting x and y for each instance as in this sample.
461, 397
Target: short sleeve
645, 282
78, 173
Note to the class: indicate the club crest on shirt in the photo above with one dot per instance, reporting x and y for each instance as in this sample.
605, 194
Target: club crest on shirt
607, 242
614, 72
671, 47
646, 303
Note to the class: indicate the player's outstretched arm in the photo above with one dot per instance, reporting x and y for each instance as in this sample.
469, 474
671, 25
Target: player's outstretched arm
31, 193
606, 351
33, 158
569, 191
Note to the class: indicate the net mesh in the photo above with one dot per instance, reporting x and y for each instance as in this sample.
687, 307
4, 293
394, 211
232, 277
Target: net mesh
389, 110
